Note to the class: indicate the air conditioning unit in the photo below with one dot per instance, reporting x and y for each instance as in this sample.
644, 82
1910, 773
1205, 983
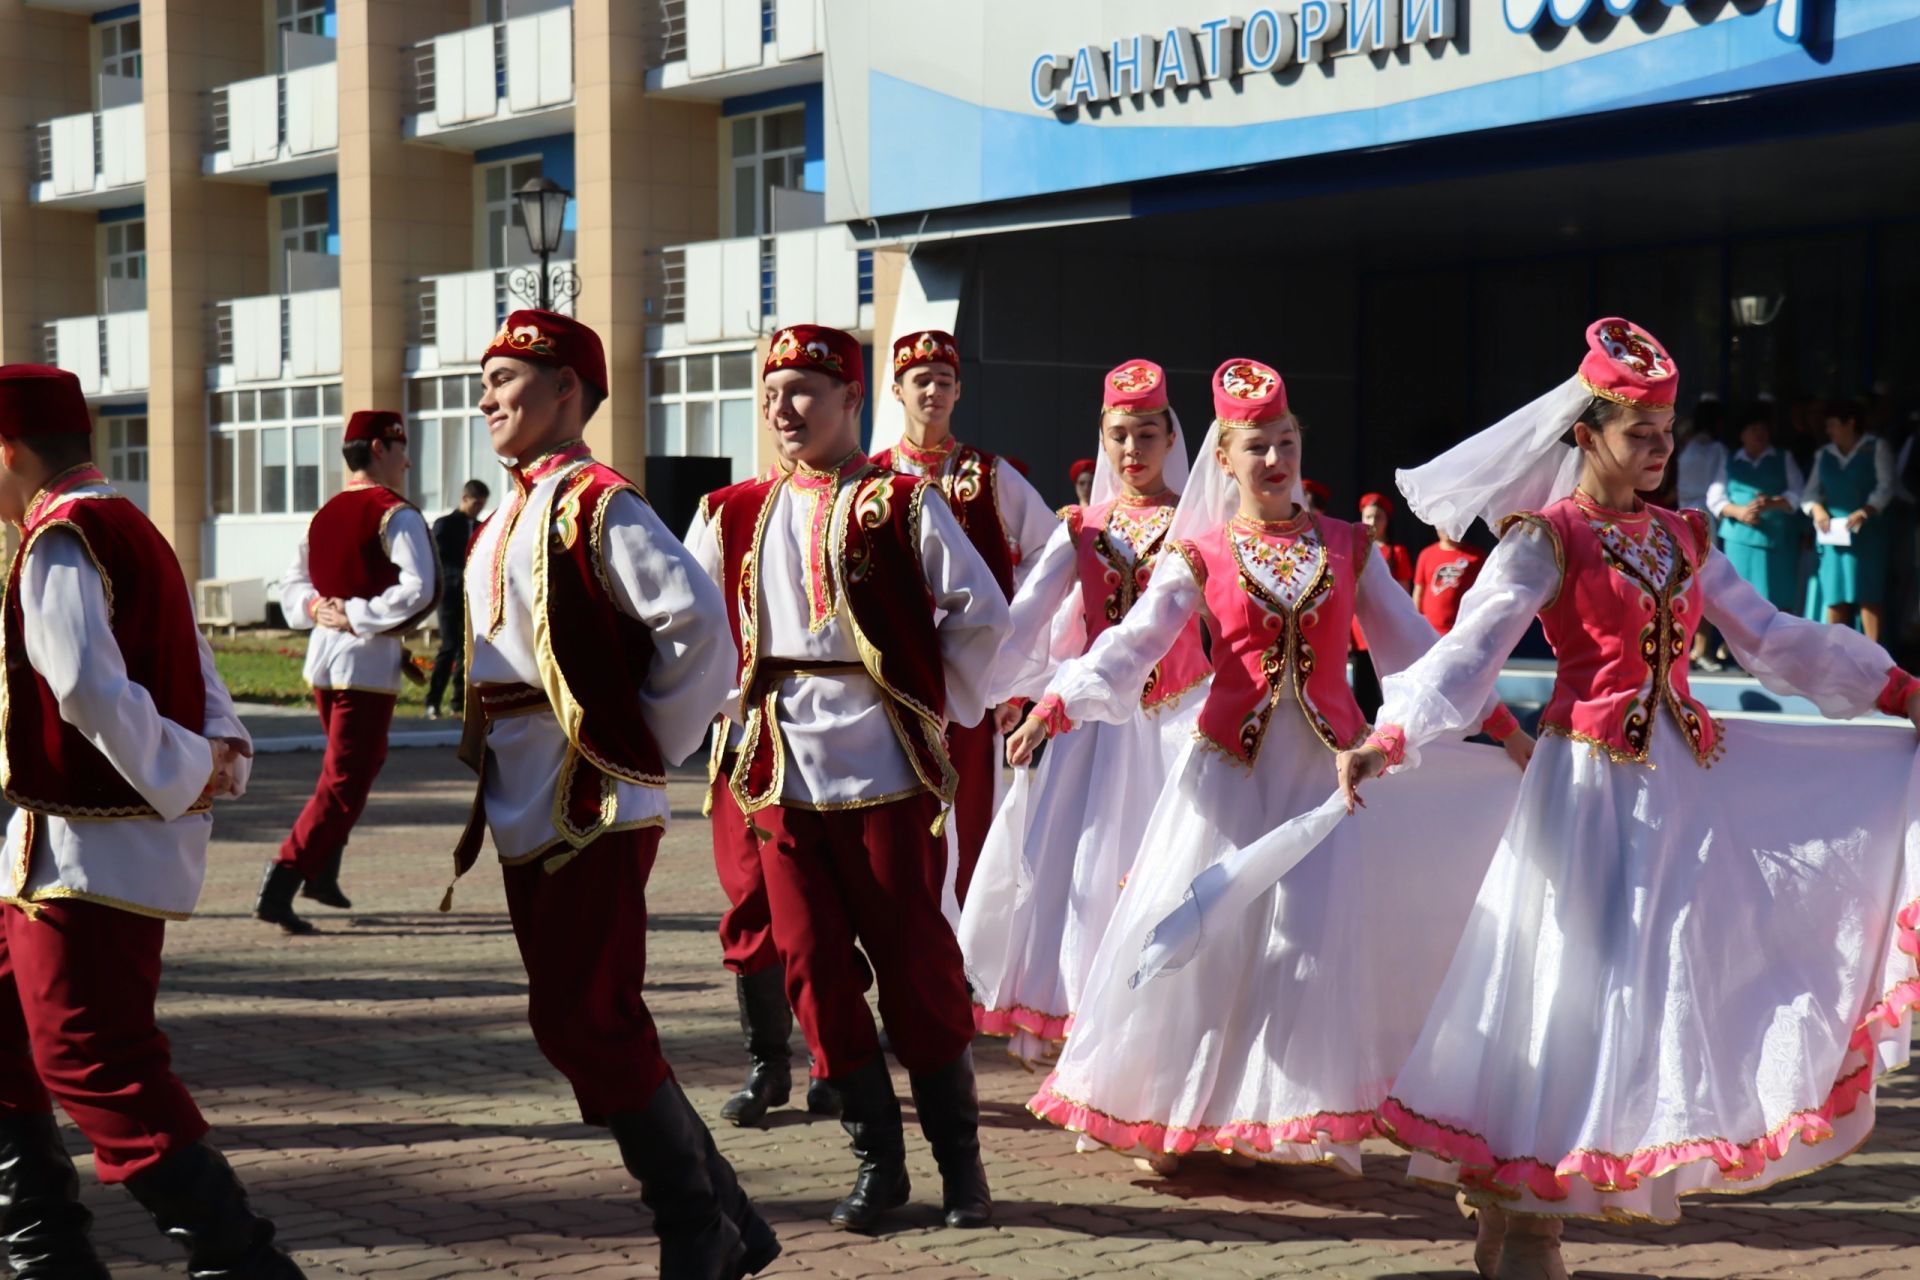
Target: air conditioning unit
230, 602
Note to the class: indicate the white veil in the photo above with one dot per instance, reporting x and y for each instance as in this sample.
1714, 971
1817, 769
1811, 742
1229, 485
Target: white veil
1106, 485
1517, 464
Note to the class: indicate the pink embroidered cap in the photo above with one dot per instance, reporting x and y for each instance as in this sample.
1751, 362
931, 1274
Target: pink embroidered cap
1136, 386
1627, 365
1247, 393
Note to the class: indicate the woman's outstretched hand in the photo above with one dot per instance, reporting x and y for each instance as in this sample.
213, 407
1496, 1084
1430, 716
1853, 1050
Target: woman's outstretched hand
1354, 767
1519, 748
1031, 733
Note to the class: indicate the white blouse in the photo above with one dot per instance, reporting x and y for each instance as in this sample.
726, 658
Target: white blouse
368, 657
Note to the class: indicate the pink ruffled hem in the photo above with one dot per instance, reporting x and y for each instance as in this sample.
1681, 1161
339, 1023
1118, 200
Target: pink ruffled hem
1007, 1023
1478, 1168
1341, 1128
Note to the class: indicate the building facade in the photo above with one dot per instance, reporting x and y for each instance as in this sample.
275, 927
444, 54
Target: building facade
236, 220
1411, 207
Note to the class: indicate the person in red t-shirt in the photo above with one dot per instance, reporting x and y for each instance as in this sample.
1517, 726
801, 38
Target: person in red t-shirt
1441, 576
1376, 511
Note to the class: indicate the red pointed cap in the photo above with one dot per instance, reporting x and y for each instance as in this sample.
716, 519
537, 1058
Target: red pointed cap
375, 424
547, 337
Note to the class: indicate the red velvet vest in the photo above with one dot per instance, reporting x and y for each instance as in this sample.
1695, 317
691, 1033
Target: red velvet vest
1264, 652
1621, 641
48, 766
875, 569
347, 547
969, 480
1109, 585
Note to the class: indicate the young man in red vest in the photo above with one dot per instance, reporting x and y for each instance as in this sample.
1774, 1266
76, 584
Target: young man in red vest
844, 695
598, 653
117, 737
365, 572
1008, 523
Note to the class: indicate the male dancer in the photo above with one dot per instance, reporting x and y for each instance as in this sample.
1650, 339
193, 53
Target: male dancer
452, 535
118, 734
1008, 523
365, 572
598, 654
842, 764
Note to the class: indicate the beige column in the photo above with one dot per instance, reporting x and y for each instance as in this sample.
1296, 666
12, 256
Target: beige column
647, 171
46, 254
406, 211
205, 241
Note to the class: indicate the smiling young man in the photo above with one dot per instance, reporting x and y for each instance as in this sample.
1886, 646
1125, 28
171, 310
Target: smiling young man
365, 572
1005, 519
598, 654
845, 689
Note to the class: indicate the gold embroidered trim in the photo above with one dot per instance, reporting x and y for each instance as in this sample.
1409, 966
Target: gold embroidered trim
60, 893
1540, 522
1617, 398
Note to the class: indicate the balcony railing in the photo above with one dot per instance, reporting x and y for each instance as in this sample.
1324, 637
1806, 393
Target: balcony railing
265, 339
667, 289
88, 154
457, 315
667, 38
107, 353
715, 37
274, 119
466, 77
724, 290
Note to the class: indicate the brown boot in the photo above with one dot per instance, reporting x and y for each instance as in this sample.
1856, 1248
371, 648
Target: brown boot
1490, 1222
1532, 1249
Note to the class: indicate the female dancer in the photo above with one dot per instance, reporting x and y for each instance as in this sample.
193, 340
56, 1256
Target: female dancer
1680, 974
1279, 1039
1062, 841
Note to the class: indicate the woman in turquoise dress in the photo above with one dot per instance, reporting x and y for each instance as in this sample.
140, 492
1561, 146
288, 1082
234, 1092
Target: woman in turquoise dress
1756, 493
1851, 484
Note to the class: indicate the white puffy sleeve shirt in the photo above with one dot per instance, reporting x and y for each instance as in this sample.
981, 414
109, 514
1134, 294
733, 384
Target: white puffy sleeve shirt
150, 866
368, 657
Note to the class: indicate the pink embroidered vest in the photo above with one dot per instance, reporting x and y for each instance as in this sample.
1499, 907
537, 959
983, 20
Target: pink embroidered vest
1265, 650
1109, 585
1621, 624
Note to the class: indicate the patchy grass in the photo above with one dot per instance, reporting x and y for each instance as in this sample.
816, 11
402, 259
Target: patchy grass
261, 665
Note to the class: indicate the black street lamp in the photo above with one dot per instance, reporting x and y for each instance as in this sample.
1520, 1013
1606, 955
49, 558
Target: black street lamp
543, 212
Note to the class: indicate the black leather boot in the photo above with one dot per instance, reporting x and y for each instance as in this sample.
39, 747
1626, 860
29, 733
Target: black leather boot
195, 1198
870, 1113
949, 1110
325, 888
275, 905
708, 1229
822, 1098
767, 1020
42, 1220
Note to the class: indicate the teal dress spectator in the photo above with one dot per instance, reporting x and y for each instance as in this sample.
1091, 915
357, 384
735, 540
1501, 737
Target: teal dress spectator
1756, 493
1851, 484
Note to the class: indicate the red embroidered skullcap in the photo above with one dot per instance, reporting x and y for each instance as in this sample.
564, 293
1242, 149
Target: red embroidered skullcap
1247, 393
1081, 467
375, 424
816, 347
929, 346
547, 337
40, 400
1379, 500
1627, 365
1314, 489
1137, 386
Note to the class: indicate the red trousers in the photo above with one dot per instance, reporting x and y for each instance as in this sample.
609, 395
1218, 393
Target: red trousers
976, 759
356, 724
871, 875
77, 987
582, 930
746, 930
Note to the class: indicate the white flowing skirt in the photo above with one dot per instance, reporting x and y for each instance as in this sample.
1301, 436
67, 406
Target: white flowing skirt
1062, 843
1676, 979
1280, 1037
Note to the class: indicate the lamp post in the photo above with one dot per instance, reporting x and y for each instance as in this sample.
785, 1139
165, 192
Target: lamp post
543, 212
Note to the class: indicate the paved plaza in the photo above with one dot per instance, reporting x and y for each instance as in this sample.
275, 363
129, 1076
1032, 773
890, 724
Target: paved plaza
378, 1089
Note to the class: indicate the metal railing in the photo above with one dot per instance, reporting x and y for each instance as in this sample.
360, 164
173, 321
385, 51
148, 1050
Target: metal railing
667, 291
40, 151
864, 269
220, 333
667, 38
422, 70
424, 314
219, 120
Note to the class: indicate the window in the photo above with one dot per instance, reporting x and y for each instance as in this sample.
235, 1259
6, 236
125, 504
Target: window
126, 246
506, 231
448, 441
702, 406
127, 450
120, 48
302, 17
275, 450
302, 227
769, 151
